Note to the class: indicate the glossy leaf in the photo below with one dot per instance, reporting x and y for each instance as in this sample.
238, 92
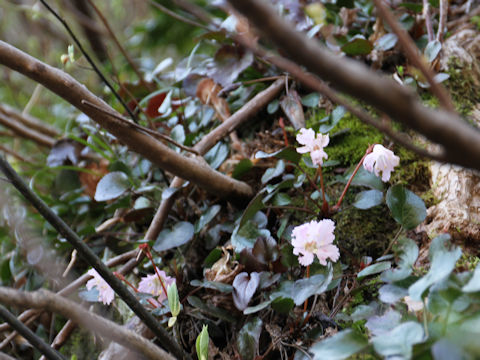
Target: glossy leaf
386, 42
405, 264
289, 153
315, 285
206, 217
273, 172
181, 233
381, 324
406, 207
248, 339
340, 346
217, 155
432, 50
112, 186
333, 119
368, 199
242, 168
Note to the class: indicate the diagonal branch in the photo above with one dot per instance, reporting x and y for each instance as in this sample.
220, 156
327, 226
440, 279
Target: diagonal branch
460, 139
46, 300
71, 90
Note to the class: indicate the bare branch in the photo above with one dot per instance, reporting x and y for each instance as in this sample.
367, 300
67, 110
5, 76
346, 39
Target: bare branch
72, 91
46, 300
26, 132
460, 139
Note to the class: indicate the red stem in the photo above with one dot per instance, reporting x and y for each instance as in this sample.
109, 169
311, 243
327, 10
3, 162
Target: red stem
305, 304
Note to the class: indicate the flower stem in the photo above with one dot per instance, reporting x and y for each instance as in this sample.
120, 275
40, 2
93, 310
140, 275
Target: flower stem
121, 277
337, 206
146, 249
325, 209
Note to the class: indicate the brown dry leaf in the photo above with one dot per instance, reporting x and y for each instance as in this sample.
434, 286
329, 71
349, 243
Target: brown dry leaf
224, 270
90, 181
207, 92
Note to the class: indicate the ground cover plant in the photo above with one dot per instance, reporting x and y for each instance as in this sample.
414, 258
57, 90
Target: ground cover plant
185, 179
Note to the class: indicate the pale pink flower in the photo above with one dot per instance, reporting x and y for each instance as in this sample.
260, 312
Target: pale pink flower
315, 238
313, 144
381, 160
151, 284
105, 292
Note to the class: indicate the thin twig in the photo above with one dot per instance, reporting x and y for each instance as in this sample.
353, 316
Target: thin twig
176, 16
140, 127
387, 250
411, 51
119, 46
89, 59
164, 338
442, 22
14, 154
28, 334
428, 20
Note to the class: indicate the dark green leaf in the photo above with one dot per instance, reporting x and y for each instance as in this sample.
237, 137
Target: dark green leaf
212, 258
363, 178
281, 199
253, 309
112, 186
311, 100
283, 305
211, 309
254, 206
248, 338
408, 257
273, 172
379, 325
367, 199
206, 217
215, 285
357, 46
288, 153
406, 207
304, 288
337, 114
273, 106
374, 269
340, 346
181, 233
242, 168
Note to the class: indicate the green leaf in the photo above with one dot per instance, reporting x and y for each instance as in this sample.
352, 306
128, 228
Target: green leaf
399, 341
283, 305
181, 233
362, 178
382, 324
281, 199
219, 286
111, 186
253, 309
178, 134
406, 207
311, 100
173, 299
248, 339
254, 206
442, 264
304, 288
242, 168
386, 42
357, 46
367, 199
246, 236
340, 346
474, 283
273, 172
206, 217
289, 153
201, 345
337, 114
374, 269
273, 106
432, 50
390, 294
211, 310
405, 264
217, 155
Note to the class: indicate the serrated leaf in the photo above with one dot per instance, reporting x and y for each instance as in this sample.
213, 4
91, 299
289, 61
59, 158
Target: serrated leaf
374, 269
112, 186
368, 199
248, 339
406, 207
181, 233
442, 264
340, 346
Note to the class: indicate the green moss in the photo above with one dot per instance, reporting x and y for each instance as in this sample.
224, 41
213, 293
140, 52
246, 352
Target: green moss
364, 232
349, 140
463, 79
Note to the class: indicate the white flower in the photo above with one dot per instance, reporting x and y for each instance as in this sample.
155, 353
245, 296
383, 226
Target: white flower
381, 160
313, 144
151, 284
105, 292
315, 238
